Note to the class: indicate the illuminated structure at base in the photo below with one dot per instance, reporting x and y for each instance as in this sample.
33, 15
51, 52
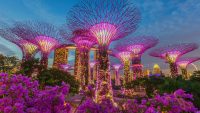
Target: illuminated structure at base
28, 48
111, 20
172, 52
184, 62
156, 70
84, 41
117, 76
65, 67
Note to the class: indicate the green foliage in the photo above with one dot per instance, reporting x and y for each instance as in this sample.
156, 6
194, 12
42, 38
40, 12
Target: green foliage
7, 63
52, 77
196, 76
29, 66
168, 85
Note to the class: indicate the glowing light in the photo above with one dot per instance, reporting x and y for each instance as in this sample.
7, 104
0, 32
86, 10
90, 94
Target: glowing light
46, 44
92, 64
65, 67
124, 56
104, 32
28, 47
183, 64
84, 43
171, 56
136, 49
116, 66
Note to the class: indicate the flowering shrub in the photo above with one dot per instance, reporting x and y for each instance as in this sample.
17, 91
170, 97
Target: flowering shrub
19, 94
176, 102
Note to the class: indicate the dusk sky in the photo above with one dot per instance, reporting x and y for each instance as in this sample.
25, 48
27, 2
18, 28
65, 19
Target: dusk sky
171, 21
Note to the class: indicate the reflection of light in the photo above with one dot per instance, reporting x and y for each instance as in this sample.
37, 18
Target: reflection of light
92, 64
136, 49
104, 32
194, 66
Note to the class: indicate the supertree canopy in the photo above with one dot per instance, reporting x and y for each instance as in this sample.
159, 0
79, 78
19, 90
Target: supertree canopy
84, 41
46, 36
172, 52
28, 48
117, 76
107, 20
184, 62
138, 46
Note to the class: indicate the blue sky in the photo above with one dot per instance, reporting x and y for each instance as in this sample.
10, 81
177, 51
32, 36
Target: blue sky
172, 21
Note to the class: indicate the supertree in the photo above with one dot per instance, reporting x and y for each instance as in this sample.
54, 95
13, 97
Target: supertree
46, 37
84, 41
184, 62
92, 66
117, 76
172, 52
138, 46
125, 57
107, 20
28, 48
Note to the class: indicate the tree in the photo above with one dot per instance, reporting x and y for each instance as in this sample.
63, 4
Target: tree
53, 77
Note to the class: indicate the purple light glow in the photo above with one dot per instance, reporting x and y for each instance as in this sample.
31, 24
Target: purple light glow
184, 62
124, 56
84, 43
104, 33
65, 67
116, 66
92, 64
172, 52
46, 44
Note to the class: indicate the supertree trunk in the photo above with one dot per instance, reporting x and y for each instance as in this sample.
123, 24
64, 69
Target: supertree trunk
84, 68
137, 69
92, 75
117, 78
184, 73
44, 61
127, 77
173, 69
96, 57
103, 87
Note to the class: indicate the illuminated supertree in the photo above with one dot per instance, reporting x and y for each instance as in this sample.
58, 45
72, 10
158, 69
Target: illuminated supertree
125, 57
84, 41
117, 76
46, 36
172, 52
138, 46
28, 48
184, 62
92, 66
107, 20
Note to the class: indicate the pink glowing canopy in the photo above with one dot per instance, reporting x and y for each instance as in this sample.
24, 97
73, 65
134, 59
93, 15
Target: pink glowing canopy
28, 47
84, 43
46, 44
137, 45
172, 52
184, 62
104, 33
116, 66
124, 55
